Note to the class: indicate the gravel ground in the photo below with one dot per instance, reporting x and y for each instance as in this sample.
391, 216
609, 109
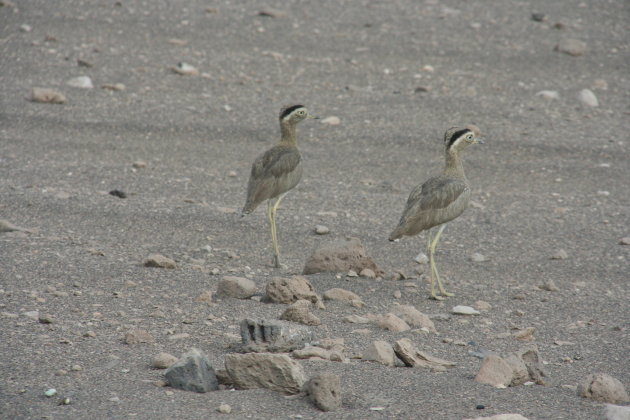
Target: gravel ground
552, 175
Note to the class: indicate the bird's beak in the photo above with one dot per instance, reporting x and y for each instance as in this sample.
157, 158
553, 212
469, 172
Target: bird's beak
479, 141
314, 117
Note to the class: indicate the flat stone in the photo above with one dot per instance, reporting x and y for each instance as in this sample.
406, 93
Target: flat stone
322, 230
192, 372
357, 319
617, 412
367, 273
464, 310
224, 409
560, 254
602, 387
310, 352
549, 285
47, 96
290, 290
159, 261
625, 241
324, 391
83, 82
520, 374
494, 371
138, 336
341, 256
163, 360
391, 322
549, 94
332, 120
236, 287
381, 352
413, 317
534, 364
340, 294
277, 372
572, 47
525, 334
274, 336
411, 356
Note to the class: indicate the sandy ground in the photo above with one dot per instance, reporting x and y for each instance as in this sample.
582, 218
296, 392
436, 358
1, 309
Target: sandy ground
553, 175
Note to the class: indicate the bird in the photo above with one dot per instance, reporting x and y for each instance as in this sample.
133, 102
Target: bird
439, 200
277, 171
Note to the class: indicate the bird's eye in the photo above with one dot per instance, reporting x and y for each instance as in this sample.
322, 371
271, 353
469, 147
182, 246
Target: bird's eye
469, 137
300, 112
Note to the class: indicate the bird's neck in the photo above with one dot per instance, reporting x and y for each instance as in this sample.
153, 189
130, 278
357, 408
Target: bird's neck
454, 167
288, 134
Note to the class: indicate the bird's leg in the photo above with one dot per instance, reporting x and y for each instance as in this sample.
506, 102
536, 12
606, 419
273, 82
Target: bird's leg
431, 264
434, 271
274, 235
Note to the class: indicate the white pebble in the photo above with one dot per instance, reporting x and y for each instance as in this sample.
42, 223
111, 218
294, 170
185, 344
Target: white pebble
82, 82
321, 230
421, 258
588, 98
549, 94
465, 310
477, 257
332, 120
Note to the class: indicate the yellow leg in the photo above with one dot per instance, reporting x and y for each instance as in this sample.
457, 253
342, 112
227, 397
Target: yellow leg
432, 244
271, 214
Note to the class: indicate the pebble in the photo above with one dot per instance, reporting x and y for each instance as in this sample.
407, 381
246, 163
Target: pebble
118, 193
397, 294
160, 261
482, 305
465, 310
34, 315
549, 94
588, 98
185, 69
46, 319
50, 392
224, 409
560, 254
539, 17
77, 368
340, 294
116, 87
526, 334
549, 286
332, 120
600, 84
352, 273
26, 28
393, 323
625, 241
83, 82
571, 47
47, 96
477, 257
368, 273
421, 258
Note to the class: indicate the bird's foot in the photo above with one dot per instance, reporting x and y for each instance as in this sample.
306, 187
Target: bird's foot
446, 294
277, 264
436, 297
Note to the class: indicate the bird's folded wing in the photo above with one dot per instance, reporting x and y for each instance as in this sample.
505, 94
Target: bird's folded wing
276, 162
436, 194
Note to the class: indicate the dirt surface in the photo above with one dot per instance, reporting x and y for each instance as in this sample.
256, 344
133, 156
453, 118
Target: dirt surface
552, 175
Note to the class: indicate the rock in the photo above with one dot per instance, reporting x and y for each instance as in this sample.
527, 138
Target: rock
50, 392
532, 360
204, 297
617, 412
185, 69
224, 409
397, 294
46, 319
340, 294
588, 98
572, 47
391, 322
482, 305
47, 96
138, 336
624, 241
274, 13
352, 273
602, 387
192, 372
273, 336
322, 230
332, 120
265, 370
368, 273
163, 360
139, 164
290, 290
381, 352
520, 374
421, 258
549, 286
560, 254
465, 310
118, 193
538, 17
477, 257
324, 391
413, 317
341, 256
356, 319
310, 352
525, 334
160, 261
116, 87
83, 82
236, 287
549, 94
299, 312
406, 351
494, 371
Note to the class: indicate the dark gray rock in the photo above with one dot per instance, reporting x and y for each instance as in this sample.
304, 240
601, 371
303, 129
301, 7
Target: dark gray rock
192, 372
273, 336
